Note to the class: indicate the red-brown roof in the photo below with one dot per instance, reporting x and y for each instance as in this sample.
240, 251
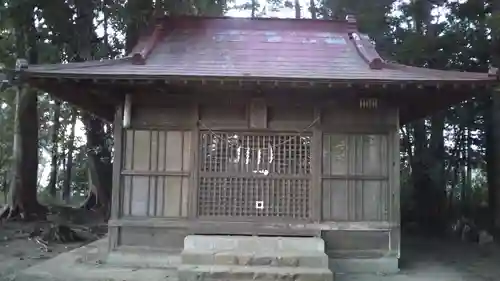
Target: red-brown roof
242, 48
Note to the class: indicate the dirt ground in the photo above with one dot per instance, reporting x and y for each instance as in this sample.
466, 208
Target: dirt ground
18, 251
422, 258
448, 259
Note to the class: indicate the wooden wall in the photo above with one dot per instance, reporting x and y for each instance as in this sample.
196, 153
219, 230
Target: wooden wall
156, 173
157, 168
157, 161
355, 177
360, 181
355, 155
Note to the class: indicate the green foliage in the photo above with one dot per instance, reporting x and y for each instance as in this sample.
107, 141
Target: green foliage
461, 41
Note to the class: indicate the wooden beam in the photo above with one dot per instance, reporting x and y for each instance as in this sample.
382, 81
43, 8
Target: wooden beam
420, 105
225, 224
83, 99
116, 182
258, 113
195, 158
316, 168
89, 103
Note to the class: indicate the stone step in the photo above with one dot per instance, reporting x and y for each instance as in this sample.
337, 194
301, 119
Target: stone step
385, 265
141, 258
255, 273
274, 259
251, 243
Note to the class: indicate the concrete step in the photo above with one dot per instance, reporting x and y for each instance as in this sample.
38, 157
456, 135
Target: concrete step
251, 243
142, 258
274, 259
385, 265
255, 273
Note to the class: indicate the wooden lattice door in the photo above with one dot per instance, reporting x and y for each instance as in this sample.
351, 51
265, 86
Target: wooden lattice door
254, 175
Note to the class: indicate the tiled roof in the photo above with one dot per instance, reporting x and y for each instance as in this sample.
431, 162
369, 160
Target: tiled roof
258, 49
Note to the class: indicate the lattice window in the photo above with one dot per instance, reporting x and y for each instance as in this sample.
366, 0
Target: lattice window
241, 197
264, 154
254, 175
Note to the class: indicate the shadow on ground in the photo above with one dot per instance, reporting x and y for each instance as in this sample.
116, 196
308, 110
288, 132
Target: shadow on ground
433, 259
423, 259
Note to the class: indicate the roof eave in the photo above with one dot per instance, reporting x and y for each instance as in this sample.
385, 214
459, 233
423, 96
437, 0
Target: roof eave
303, 81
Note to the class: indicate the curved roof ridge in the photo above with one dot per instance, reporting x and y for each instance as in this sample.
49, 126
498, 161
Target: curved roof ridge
142, 51
367, 51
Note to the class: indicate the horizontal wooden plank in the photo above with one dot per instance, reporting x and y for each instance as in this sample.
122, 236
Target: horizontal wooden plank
356, 129
173, 116
153, 173
168, 127
355, 177
255, 176
199, 225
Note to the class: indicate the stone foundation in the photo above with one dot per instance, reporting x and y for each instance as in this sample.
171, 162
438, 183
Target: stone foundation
385, 265
253, 258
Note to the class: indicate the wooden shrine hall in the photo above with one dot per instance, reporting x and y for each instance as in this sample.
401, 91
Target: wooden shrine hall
257, 129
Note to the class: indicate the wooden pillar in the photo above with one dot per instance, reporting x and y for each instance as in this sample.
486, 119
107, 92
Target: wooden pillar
194, 169
117, 167
316, 167
395, 193
258, 114
495, 178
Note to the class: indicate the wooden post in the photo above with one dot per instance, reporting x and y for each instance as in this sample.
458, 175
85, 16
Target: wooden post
258, 114
127, 111
394, 181
495, 184
316, 168
117, 167
193, 180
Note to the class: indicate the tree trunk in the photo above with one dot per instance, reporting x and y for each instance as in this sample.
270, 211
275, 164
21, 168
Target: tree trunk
5, 188
494, 139
97, 199
55, 149
419, 175
495, 184
105, 9
255, 4
22, 198
453, 169
66, 195
312, 8
438, 170
406, 143
463, 180
297, 9
468, 166
140, 12
100, 166
490, 159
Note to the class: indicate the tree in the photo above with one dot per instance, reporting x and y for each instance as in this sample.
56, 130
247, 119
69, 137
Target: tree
99, 163
66, 192
22, 199
494, 125
55, 149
